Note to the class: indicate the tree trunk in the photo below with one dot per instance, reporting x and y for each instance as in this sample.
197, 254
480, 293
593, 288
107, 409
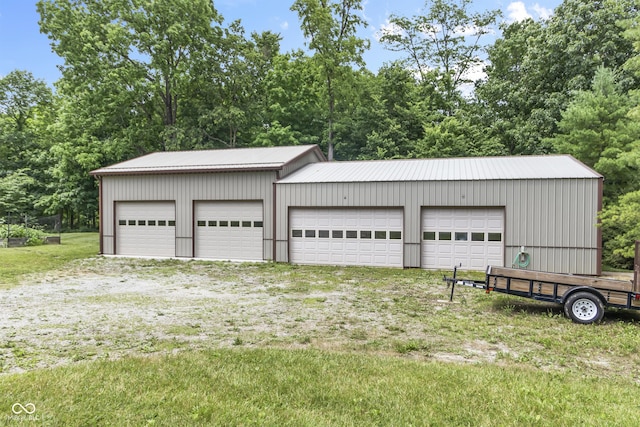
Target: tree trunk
332, 102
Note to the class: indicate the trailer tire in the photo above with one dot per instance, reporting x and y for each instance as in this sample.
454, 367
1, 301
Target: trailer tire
584, 307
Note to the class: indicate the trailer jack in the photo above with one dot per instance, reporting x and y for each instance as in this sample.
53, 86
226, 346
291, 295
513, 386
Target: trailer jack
453, 281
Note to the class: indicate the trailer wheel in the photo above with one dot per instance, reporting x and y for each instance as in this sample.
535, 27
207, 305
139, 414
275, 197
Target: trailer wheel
584, 307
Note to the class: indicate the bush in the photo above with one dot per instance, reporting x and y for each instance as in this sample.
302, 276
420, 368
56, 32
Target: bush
34, 236
620, 230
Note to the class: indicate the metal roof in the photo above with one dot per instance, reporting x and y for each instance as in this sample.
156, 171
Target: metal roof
450, 169
234, 159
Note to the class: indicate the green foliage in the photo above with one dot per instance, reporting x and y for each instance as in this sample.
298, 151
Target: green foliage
34, 236
292, 97
25, 111
128, 66
454, 137
621, 228
275, 134
20, 95
331, 30
445, 39
596, 129
537, 66
16, 194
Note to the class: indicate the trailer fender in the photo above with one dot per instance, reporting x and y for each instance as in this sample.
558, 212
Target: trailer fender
583, 289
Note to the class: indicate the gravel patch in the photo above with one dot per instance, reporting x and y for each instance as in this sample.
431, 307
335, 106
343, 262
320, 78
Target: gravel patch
107, 308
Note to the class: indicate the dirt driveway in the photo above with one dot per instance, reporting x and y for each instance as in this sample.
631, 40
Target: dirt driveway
111, 307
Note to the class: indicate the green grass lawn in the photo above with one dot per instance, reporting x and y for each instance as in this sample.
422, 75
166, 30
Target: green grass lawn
313, 388
367, 380
17, 262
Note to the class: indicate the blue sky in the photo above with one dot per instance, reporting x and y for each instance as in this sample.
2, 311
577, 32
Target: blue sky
23, 47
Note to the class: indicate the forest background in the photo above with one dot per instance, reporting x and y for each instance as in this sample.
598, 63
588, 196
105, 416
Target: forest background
139, 76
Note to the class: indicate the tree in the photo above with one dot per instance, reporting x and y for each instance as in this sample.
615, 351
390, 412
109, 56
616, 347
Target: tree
15, 193
20, 95
134, 58
632, 34
445, 40
620, 229
620, 219
292, 99
331, 29
515, 114
597, 130
130, 69
537, 66
21, 98
455, 137
388, 117
229, 100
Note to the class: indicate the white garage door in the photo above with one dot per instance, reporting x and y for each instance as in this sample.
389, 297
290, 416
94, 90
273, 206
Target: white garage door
146, 229
346, 237
471, 237
229, 230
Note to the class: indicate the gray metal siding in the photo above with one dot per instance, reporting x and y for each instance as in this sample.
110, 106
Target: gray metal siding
309, 157
184, 189
555, 219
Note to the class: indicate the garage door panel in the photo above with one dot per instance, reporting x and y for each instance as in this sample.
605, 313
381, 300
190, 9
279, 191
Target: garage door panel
229, 230
494, 251
444, 249
395, 247
337, 246
460, 250
444, 223
478, 250
466, 238
352, 236
478, 224
477, 263
145, 229
494, 224
461, 224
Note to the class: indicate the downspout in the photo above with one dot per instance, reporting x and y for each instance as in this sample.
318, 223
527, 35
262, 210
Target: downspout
100, 219
275, 219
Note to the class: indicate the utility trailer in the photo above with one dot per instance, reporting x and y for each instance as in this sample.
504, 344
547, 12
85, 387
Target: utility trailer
583, 298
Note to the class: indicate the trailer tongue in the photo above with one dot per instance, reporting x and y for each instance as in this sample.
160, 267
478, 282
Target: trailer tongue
584, 298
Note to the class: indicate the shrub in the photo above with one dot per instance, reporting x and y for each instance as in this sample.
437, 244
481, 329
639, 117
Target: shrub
620, 230
34, 236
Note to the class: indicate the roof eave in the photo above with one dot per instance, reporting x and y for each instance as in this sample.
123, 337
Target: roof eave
106, 172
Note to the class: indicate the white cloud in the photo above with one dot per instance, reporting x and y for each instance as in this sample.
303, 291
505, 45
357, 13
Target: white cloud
284, 25
541, 11
472, 30
388, 28
474, 74
517, 11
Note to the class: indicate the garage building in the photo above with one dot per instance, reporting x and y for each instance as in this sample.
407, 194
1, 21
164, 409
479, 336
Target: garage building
437, 213
214, 204
289, 204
